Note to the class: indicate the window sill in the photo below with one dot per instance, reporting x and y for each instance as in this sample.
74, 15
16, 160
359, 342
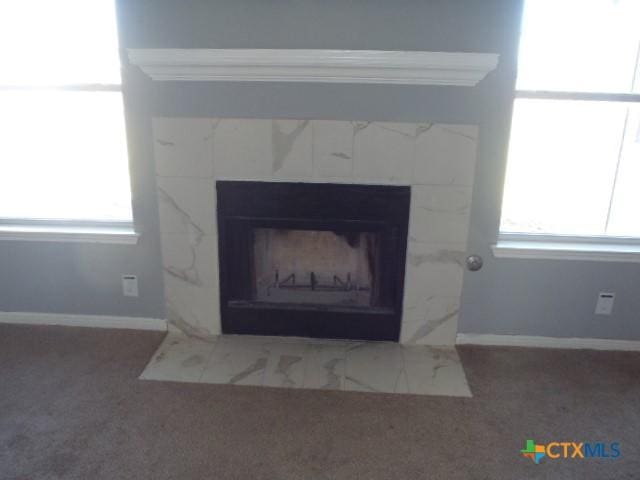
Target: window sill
32, 233
600, 252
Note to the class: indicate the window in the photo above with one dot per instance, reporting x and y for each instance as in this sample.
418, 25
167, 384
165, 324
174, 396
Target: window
574, 153
63, 155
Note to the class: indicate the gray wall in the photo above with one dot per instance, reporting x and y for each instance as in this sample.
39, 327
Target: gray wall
507, 296
84, 278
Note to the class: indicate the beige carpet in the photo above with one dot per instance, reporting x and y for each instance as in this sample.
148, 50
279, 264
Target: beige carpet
71, 406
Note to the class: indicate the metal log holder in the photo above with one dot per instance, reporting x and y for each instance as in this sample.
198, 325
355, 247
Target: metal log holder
339, 285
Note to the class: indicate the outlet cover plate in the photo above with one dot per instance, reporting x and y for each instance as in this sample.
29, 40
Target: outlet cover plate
130, 285
604, 305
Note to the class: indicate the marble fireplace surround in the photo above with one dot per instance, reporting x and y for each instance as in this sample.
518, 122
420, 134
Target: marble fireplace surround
436, 160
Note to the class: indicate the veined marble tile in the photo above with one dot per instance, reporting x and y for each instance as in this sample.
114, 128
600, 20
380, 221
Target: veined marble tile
263, 149
435, 371
242, 149
192, 309
437, 159
179, 358
332, 149
375, 367
325, 364
439, 214
237, 360
183, 147
433, 270
186, 205
384, 151
291, 149
446, 155
191, 257
286, 364
432, 320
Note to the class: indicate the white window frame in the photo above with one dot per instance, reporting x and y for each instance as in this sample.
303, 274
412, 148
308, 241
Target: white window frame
570, 247
84, 231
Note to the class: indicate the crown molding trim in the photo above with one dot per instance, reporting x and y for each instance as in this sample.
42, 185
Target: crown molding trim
322, 66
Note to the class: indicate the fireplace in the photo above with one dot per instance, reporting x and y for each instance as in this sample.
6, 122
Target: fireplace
313, 260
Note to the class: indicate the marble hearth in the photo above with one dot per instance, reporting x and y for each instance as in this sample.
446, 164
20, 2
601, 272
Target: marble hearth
318, 364
437, 161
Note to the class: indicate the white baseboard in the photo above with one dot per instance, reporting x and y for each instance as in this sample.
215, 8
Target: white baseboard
95, 321
547, 342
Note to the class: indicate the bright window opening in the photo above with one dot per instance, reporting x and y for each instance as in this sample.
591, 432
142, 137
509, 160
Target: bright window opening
63, 155
574, 152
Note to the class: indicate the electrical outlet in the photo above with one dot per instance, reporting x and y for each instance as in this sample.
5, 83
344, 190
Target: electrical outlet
604, 305
130, 285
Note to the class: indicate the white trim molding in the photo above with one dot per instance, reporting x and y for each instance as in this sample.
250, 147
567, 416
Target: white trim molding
94, 321
325, 66
567, 251
547, 342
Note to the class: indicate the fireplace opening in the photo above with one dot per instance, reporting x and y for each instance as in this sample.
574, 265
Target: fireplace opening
315, 260
316, 267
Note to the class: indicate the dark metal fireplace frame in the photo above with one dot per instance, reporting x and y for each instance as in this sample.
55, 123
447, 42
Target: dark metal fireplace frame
243, 206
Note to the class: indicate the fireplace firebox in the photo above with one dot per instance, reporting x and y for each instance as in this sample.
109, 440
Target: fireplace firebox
313, 260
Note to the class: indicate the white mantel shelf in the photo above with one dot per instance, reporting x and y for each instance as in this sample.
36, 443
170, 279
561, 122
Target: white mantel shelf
321, 66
